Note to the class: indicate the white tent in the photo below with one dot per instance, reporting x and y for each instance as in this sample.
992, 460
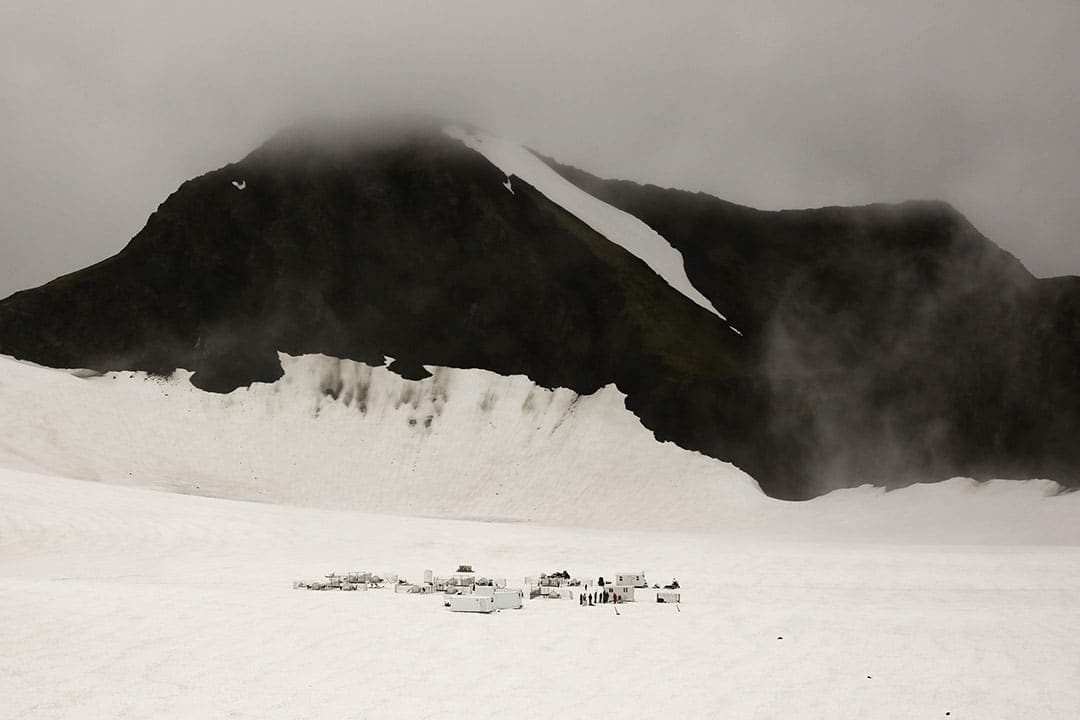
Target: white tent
508, 599
470, 603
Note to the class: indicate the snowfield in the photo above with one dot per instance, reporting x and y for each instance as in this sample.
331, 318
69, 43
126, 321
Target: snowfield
122, 602
340, 434
119, 600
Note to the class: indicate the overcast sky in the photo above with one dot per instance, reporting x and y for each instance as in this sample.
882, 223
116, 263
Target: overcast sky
106, 107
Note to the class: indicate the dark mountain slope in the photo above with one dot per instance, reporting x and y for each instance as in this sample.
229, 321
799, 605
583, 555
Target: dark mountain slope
897, 342
364, 243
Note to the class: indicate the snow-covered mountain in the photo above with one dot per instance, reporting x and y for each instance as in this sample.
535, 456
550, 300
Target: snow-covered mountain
813, 349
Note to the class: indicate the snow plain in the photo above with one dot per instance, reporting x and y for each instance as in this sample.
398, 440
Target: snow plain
125, 601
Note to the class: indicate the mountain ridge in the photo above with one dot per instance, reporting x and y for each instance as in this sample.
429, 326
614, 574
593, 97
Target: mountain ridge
890, 343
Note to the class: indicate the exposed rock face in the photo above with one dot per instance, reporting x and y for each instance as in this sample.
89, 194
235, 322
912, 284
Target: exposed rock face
896, 342
882, 343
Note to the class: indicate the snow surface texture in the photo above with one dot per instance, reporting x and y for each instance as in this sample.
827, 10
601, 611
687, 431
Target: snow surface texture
121, 602
336, 433
464, 444
124, 602
619, 227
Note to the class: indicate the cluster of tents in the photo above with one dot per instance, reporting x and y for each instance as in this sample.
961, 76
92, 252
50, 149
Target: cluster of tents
348, 581
480, 594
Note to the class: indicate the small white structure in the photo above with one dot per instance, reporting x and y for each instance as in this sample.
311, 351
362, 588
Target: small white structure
634, 579
668, 596
503, 598
470, 603
356, 580
463, 578
506, 599
353, 580
554, 586
414, 589
623, 593
550, 592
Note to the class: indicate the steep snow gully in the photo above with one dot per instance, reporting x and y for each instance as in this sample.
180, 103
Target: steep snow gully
619, 227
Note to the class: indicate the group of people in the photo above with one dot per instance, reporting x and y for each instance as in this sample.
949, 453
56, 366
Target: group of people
598, 597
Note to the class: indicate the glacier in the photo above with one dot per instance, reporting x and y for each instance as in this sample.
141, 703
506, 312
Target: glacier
956, 597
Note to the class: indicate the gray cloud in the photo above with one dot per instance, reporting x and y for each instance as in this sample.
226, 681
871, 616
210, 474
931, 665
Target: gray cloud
108, 106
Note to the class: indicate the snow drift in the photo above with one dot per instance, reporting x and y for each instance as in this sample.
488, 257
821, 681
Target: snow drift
337, 433
466, 444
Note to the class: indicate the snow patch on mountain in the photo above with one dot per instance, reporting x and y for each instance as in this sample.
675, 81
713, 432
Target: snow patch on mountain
619, 227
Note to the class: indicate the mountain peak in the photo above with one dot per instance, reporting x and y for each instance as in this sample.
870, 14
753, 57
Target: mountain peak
343, 137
